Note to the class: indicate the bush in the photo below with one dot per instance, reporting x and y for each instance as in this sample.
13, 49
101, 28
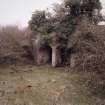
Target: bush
88, 45
12, 42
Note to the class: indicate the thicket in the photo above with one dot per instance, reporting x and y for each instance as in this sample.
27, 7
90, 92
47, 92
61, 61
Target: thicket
14, 44
75, 22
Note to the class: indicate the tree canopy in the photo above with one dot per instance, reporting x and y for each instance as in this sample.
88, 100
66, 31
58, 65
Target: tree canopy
67, 16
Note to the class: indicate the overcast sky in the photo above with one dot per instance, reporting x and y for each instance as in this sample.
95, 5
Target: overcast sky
20, 11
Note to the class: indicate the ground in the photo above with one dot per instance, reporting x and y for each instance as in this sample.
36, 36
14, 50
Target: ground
30, 85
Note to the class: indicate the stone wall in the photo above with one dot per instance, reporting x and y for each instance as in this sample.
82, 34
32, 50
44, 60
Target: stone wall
40, 53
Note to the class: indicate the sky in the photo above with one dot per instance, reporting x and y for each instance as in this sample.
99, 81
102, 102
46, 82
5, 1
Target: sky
19, 11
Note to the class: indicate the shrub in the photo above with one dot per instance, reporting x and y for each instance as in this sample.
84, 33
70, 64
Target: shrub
12, 42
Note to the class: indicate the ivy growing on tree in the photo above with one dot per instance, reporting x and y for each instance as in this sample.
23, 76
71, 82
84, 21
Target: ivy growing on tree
65, 18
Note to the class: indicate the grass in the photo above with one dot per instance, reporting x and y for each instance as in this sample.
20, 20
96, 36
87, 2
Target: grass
30, 85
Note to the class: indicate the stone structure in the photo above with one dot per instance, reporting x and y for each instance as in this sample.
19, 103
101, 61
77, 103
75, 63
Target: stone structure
40, 53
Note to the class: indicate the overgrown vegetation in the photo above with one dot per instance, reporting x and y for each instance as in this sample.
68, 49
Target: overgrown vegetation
12, 45
66, 16
75, 22
72, 28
